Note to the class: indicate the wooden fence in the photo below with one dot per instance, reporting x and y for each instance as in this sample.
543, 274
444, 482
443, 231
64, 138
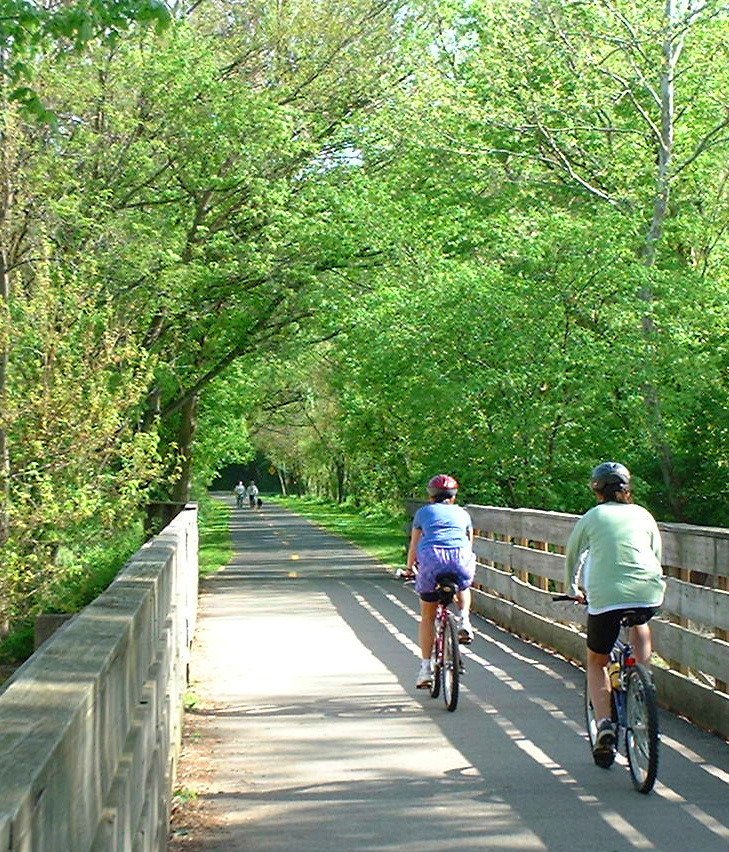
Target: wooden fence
520, 564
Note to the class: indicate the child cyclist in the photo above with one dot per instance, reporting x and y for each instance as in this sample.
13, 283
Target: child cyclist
621, 571
441, 543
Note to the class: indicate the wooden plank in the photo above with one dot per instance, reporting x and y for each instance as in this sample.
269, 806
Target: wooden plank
537, 525
521, 573
488, 550
721, 631
495, 519
493, 580
721, 558
686, 697
548, 565
704, 549
535, 600
543, 580
701, 653
708, 607
527, 596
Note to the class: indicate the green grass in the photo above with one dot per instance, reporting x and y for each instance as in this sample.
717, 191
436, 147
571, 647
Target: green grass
214, 528
377, 530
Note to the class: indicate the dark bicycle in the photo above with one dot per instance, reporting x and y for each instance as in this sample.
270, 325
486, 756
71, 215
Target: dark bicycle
634, 710
446, 655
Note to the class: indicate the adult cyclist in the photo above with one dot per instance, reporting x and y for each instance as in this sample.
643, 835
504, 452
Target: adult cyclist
441, 542
616, 548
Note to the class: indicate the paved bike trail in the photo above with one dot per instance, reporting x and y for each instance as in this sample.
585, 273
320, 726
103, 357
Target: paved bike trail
307, 733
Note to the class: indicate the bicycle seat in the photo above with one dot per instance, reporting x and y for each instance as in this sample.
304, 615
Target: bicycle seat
446, 585
630, 618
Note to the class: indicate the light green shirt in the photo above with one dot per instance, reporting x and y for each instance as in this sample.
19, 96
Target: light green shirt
623, 563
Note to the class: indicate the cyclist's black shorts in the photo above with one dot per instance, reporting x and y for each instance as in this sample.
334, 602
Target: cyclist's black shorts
603, 629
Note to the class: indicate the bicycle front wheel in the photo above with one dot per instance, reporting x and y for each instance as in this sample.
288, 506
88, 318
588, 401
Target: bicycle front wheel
641, 735
451, 669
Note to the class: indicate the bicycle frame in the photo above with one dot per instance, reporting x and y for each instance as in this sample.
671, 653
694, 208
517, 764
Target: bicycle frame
622, 654
446, 652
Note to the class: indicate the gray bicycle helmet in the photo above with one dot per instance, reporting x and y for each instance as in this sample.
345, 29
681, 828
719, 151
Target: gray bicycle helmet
611, 475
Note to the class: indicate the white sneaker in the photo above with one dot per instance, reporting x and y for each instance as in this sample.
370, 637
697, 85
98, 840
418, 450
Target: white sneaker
425, 675
465, 631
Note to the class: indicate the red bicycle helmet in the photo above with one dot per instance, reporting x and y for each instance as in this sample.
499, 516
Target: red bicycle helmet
442, 485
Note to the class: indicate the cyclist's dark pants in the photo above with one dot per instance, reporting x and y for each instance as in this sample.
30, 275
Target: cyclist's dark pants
603, 629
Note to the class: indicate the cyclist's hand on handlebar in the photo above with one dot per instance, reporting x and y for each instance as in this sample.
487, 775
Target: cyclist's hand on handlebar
578, 598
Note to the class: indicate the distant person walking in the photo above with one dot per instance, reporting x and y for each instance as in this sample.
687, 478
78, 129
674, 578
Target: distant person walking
252, 491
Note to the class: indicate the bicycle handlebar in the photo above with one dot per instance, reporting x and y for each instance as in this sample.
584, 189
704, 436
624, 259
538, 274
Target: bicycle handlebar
572, 598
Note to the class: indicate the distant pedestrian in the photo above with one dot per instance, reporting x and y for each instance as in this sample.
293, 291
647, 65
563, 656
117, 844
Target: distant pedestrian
252, 492
240, 492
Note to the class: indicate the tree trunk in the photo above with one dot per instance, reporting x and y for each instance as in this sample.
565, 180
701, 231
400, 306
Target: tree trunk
6, 204
340, 473
676, 13
4, 362
282, 480
185, 441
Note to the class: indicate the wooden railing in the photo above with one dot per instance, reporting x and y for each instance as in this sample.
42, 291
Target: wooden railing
520, 564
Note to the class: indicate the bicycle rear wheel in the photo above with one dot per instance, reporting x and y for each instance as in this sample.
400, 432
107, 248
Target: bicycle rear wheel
451, 668
641, 735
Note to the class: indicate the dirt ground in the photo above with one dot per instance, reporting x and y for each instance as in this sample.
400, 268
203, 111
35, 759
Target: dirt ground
191, 820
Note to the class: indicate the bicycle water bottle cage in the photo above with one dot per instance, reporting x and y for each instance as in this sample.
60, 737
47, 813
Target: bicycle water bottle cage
446, 585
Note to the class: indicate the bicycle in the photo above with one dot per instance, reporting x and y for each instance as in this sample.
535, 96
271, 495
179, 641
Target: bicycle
634, 710
239, 498
446, 655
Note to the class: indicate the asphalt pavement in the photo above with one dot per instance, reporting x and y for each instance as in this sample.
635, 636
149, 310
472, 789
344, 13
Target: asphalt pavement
305, 730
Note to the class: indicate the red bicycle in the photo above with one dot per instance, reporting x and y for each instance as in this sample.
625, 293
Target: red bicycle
446, 655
